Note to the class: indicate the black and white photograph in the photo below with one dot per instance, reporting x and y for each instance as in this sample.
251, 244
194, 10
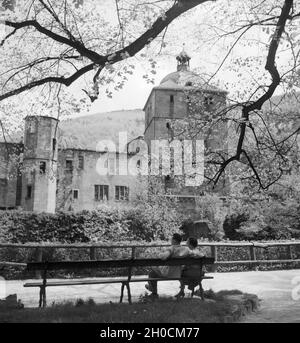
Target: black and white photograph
149, 165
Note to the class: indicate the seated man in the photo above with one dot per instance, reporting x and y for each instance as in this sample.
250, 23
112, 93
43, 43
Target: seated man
192, 271
176, 250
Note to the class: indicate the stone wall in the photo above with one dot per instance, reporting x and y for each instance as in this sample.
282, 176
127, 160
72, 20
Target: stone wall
9, 154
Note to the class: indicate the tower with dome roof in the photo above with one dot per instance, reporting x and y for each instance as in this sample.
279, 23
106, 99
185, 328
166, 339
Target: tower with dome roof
170, 103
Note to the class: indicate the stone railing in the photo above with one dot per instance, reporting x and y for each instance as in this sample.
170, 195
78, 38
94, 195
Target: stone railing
213, 246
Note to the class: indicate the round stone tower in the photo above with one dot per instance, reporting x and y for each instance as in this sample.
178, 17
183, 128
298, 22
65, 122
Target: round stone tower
39, 164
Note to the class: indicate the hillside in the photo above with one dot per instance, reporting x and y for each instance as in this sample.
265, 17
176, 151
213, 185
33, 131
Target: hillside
84, 132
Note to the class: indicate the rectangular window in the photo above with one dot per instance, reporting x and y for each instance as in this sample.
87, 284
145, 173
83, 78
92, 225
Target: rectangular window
101, 192
53, 144
32, 126
188, 101
75, 194
69, 165
122, 193
29, 192
171, 105
208, 100
148, 116
3, 182
42, 167
169, 181
80, 162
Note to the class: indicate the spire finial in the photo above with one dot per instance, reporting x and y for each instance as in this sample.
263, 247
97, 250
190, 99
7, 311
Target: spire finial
183, 60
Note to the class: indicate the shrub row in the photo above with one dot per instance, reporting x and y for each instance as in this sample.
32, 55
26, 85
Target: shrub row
104, 225
145, 223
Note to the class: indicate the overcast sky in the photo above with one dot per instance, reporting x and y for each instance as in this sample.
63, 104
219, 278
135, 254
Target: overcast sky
136, 90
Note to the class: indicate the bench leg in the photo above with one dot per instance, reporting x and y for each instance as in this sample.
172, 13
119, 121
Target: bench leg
128, 293
193, 292
42, 300
201, 291
41, 297
122, 292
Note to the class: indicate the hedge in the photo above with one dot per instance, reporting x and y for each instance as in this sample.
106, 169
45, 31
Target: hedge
104, 225
139, 225
108, 224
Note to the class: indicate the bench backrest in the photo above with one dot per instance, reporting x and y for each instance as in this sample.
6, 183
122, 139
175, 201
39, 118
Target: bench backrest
131, 263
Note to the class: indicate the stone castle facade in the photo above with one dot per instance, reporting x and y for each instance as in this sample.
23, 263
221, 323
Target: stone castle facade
51, 179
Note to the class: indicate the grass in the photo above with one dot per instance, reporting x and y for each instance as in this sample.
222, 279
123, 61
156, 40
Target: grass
163, 310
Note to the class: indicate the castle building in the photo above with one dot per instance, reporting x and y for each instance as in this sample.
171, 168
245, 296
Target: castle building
185, 98
49, 178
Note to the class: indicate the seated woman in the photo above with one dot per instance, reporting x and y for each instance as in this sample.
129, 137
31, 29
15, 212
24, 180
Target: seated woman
191, 272
176, 250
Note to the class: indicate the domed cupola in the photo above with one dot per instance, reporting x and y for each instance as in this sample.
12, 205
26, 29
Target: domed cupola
184, 78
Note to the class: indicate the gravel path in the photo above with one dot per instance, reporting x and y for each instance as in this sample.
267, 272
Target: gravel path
274, 288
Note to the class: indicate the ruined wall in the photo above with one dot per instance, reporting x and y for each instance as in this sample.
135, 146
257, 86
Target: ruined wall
84, 177
9, 174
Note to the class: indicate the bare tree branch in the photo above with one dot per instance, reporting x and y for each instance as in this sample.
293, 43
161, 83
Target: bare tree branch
257, 105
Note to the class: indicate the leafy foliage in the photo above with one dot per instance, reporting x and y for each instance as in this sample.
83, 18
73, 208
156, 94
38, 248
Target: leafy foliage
106, 224
264, 221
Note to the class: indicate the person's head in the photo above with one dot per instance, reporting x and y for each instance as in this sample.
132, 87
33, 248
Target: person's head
176, 239
192, 242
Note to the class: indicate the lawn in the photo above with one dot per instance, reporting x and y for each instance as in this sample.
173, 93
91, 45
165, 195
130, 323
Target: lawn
217, 309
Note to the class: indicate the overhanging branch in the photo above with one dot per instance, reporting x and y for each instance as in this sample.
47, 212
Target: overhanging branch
179, 7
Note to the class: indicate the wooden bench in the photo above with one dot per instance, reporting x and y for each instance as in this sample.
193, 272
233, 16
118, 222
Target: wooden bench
45, 267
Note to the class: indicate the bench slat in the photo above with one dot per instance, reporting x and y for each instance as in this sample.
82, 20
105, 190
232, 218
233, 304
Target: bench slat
146, 262
99, 282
